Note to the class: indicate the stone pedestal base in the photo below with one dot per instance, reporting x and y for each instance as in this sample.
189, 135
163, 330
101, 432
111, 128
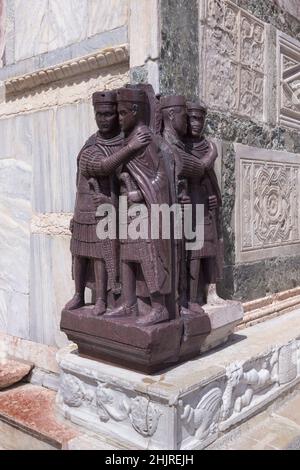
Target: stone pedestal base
124, 342
190, 405
223, 320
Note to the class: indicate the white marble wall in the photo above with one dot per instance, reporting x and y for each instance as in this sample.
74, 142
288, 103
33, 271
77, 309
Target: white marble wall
37, 175
46, 25
52, 287
59, 134
15, 212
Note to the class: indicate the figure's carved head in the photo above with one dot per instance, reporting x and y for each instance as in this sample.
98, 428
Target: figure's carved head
196, 118
106, 114
174, 113
131, 108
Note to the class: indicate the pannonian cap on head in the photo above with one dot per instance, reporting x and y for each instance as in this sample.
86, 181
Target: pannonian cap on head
198, 105
131, 95
172, 101
104, 97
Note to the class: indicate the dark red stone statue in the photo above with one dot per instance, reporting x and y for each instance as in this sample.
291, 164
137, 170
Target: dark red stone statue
147, 311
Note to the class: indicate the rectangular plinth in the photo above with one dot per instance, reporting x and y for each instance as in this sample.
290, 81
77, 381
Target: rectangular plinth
122, 341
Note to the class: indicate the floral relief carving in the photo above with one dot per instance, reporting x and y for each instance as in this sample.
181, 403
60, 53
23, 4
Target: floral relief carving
142, 414
270, 211
234, 59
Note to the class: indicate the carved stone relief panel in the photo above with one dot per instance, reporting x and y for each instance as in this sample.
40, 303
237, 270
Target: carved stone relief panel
268, 211
288, 81
233, 53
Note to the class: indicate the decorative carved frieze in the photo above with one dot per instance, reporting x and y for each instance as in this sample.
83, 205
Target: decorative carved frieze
70, 69
289, 81
268, 203
233, 53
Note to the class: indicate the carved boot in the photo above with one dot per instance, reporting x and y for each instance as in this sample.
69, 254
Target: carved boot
157, 315
100, 308
76, 302
122, 311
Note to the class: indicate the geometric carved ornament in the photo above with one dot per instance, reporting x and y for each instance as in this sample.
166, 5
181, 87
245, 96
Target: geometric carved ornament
289, 81
233, 59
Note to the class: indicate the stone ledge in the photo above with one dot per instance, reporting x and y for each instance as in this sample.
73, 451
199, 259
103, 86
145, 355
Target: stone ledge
266, 308
30, 409
12, 372
69, 69
188, 406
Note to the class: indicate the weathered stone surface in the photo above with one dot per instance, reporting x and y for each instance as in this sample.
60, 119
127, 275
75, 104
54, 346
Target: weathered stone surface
178, 49
291, 6
41, 355
188, 406
271, 12
244, 282
282, 271
31, 409
12, 372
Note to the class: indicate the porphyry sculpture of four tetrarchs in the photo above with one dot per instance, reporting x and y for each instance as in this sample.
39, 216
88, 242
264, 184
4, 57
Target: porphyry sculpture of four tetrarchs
151, 150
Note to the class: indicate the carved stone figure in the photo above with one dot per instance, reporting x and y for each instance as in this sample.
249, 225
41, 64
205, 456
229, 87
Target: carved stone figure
143, 180
188, 167
149, 290
97, 164
87, 250
204, 265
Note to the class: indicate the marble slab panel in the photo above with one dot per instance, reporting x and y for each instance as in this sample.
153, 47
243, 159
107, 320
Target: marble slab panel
267, 203
67, 22
52, 287
106, 15
31, 34
60, 134
15, 212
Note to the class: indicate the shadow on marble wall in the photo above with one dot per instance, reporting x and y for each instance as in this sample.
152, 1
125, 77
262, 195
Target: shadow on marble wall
51, 286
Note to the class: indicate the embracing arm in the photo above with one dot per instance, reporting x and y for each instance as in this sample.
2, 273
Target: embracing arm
93, 163
194, 166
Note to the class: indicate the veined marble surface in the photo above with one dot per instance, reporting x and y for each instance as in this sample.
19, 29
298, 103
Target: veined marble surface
46, 25
52, 287
59, 135
15, 212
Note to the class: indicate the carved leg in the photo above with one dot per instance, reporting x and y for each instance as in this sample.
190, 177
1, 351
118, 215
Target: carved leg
129, 307
80, 271
195, 299
101, 287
